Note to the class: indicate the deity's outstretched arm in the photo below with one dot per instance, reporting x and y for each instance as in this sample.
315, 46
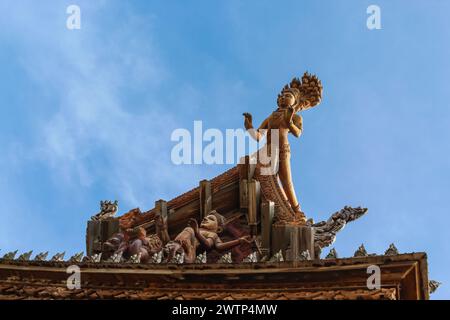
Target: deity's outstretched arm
223, 246
258, 133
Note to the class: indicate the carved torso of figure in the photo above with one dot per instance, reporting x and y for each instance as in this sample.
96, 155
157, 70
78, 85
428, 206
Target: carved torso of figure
204, 237
277, 120
189, 241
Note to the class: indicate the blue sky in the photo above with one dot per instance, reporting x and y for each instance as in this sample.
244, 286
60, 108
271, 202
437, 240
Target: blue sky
87, 114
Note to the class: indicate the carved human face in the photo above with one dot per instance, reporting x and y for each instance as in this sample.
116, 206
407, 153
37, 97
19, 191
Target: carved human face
210, 222
286, 99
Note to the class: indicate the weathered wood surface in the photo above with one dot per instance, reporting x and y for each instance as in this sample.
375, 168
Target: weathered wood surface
98, 232
405, 272
292, 240
267, 214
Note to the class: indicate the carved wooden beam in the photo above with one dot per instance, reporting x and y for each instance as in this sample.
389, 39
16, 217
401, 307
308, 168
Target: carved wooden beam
243, 195
161, 208
267, 214
293, 240
243, 168
253, 204
205, 198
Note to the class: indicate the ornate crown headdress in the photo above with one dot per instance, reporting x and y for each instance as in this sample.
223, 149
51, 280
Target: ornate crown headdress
307, 91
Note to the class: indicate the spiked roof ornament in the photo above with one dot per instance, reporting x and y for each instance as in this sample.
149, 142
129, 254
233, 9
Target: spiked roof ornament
361, 252
332, 254
59, 257
77, 258
41, 256
201, 258
157, 257
226, 258
391, 251
96, 258
116, 258
251, 258
277, 257
25, 256
10, 255
179, 258
305, 256
135, 258
433, 286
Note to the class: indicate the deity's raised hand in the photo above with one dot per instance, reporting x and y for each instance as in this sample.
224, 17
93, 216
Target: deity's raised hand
290, 111
248, 120
193, 224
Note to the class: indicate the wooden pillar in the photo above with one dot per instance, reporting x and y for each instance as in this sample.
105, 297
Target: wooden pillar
243, 187
247, 166
161, 208
253, 205
267, 214
243, 167
98, 232
243, 195
249, 193
295, 238
205, 198
252, 161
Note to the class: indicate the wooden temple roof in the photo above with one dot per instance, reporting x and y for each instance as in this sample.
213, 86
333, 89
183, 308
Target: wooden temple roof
228, 177
403, 276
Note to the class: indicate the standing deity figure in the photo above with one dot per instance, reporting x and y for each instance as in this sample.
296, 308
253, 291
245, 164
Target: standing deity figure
299, 95
194, 238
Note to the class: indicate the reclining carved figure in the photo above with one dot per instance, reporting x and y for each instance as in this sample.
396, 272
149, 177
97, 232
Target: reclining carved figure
194, 239
132, 242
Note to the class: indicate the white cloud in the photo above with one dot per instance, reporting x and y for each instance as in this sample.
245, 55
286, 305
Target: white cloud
93, 135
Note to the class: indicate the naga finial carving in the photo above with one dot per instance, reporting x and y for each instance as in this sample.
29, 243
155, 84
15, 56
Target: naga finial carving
108, 209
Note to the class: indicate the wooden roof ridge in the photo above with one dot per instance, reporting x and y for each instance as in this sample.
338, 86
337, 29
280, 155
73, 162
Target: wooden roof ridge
282, 266
222, 179
344, 278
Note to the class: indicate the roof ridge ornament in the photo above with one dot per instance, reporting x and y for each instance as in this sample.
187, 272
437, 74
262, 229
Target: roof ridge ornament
361, 252
10, 255
59, 257
277, 257
41, 256
108, 210
77, 258
391, 251
332, 254
201, 258
433, 285
226, 258
25, 256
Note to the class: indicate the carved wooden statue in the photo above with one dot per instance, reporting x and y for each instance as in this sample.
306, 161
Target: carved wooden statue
194, 238
130, 242
299, 95
108, 209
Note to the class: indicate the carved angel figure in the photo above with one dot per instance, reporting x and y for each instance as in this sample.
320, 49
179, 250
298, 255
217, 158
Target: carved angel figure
300, 95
